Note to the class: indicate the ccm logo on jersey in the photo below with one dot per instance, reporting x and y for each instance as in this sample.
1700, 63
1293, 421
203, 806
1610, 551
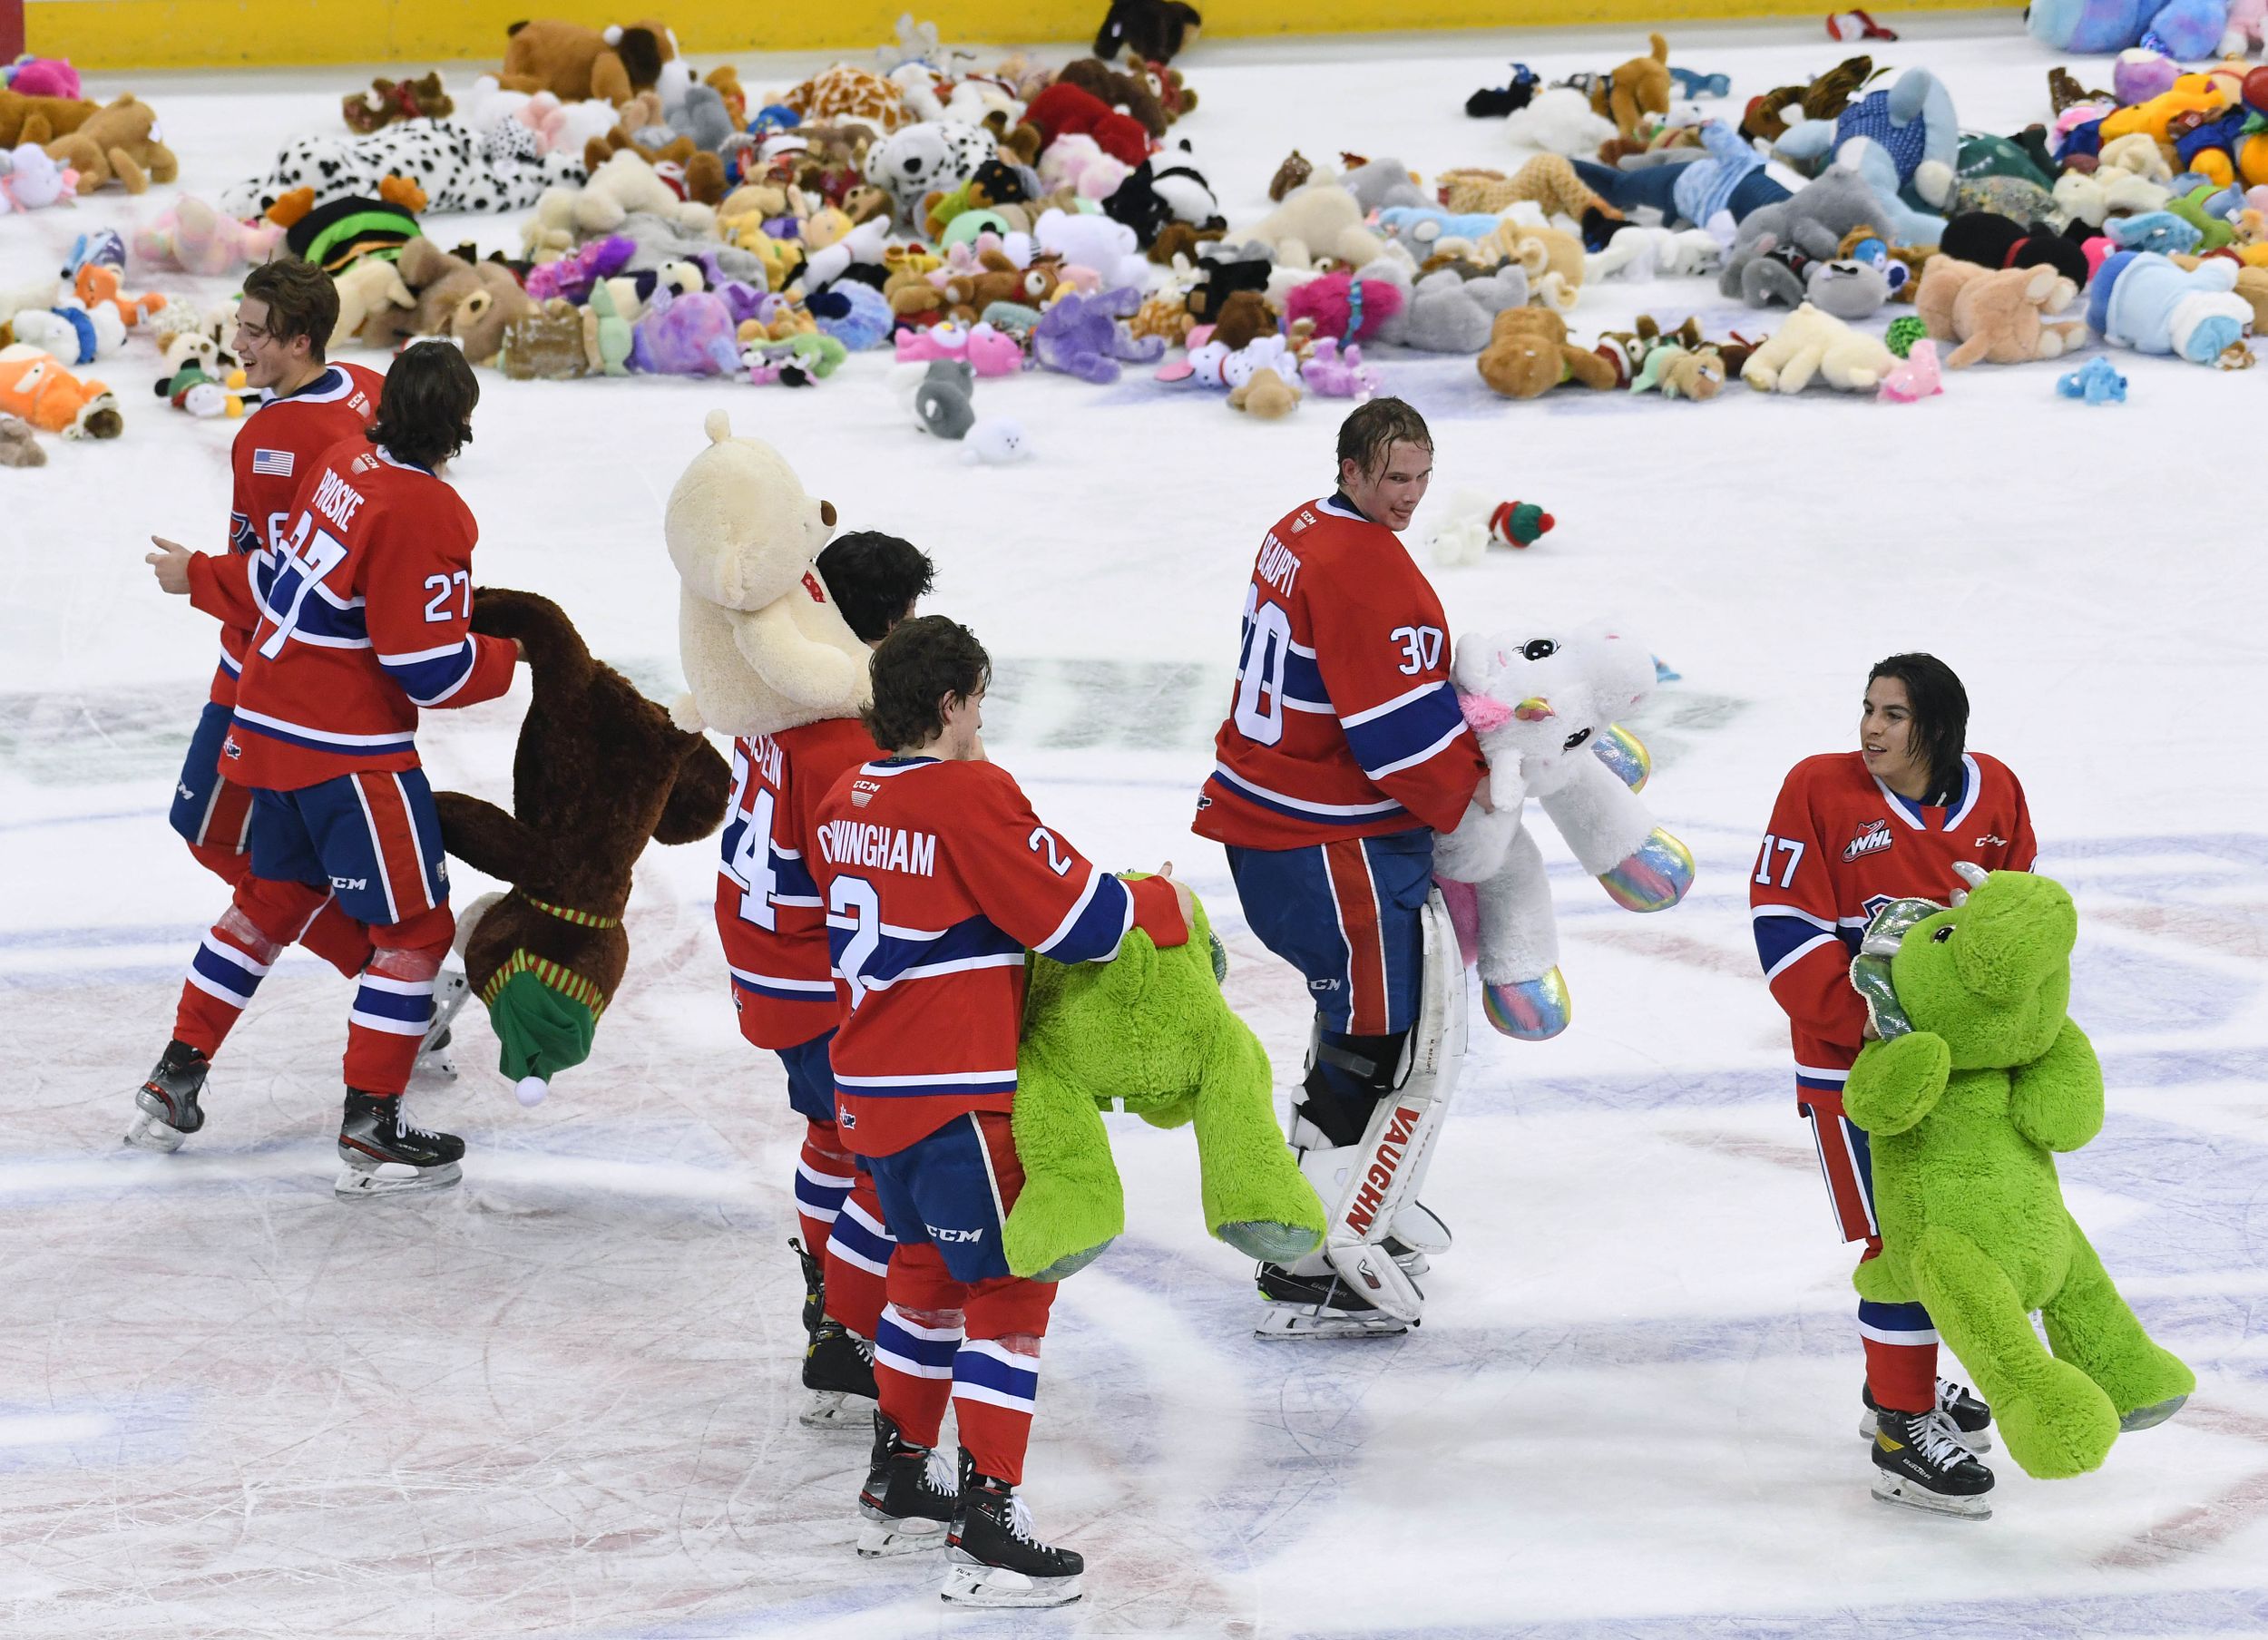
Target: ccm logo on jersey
1989, 841
1873, 836
863, 792
938, 1235
351, 883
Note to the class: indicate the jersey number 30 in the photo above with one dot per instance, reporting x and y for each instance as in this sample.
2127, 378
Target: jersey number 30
1260, 680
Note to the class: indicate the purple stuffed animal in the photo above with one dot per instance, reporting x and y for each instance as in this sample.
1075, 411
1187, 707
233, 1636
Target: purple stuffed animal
693, 334
573, 275
1086, 335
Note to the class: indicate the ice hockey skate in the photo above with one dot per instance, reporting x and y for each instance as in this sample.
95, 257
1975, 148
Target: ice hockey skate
451, 991
837, 1365
166, 1108
908, 1501
994, 1558
386, 1154
1303, 1306
1920, 1463
1970, 1417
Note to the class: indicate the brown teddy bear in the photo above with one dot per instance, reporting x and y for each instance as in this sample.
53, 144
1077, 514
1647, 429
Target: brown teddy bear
1529, 355
574, 63
386, 100
1129, 92
1244, 317
998, 280
472, 301
40, 120
117, 143
702, 173
1997, 315
599, 771
1638, 89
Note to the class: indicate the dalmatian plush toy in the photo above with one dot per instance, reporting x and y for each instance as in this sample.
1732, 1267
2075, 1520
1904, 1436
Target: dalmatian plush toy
460, 169
1544, 710
936, 155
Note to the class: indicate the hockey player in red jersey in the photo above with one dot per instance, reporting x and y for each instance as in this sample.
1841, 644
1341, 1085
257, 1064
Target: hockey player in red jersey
286, 314
937, 876
365, 618
1850, 831
774, 932
1344, 752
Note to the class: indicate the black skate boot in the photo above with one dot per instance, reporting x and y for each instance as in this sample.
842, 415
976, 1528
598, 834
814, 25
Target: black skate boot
907, 1502
1970, 1417
837, 1365
166, 1109
992, 1558
386, 1154
1919, 1462
1319, 1306
450, 990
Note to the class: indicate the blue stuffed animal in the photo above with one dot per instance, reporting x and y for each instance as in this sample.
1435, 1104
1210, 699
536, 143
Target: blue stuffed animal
2142, 300
1417, 229
1911, 125
2098, 382
2187, 29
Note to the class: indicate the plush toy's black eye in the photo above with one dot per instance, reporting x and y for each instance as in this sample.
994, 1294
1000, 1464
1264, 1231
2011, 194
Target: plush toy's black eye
1943, 934
1537, 649
1576, 740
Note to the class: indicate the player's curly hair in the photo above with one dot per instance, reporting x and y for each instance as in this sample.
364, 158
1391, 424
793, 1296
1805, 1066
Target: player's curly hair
1371, 431
302, 301
919, 664
425, 414
875, 580
1941, 717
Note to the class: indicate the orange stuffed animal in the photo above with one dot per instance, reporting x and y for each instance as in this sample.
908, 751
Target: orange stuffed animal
574, 63
97, 286
34, 385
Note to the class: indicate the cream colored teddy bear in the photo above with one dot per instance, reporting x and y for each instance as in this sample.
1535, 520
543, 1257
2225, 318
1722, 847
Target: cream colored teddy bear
625, 183
763, 645
1812, 343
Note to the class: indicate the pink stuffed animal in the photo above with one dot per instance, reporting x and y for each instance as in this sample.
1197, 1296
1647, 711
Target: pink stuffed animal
1336, 375
983, 348
45, 77
1915, 378
1342, 308
197, 238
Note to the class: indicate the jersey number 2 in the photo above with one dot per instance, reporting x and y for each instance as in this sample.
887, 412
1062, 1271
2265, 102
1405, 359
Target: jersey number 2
854, 897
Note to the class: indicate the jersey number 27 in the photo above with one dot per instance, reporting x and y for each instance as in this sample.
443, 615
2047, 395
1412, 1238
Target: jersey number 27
309, 555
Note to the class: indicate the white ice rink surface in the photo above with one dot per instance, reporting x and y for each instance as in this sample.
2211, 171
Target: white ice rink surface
561, 1399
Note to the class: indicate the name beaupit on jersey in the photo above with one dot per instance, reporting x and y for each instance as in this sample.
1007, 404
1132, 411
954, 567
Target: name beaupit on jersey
276, 449
1344, 723
353, 640
937, 878
1842, 846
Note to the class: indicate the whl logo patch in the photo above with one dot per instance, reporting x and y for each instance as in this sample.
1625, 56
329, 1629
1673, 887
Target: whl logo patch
1873, 836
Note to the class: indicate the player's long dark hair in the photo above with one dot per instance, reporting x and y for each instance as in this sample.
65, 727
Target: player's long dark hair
425, 414
920, 662
875, 580
1941, 717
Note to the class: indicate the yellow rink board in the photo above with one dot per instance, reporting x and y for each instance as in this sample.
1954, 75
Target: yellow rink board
220, 34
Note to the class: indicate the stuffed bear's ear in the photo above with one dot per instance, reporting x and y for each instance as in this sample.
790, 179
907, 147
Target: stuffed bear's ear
719, 427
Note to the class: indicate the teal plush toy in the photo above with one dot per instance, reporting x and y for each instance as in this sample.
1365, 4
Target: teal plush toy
1150, 1030
1980, 1077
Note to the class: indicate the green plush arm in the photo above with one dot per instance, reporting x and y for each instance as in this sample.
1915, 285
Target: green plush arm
2057, 1100
1072, 1206
1255, 1197
1897, 1083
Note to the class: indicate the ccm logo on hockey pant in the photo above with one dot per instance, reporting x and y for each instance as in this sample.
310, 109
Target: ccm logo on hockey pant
938, 1235
1384, 1164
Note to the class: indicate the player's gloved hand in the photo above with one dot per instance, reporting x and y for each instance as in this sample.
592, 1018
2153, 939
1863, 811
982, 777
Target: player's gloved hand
170, 564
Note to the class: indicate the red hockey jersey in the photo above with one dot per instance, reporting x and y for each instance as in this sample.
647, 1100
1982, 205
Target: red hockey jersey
768, 911
937, 876
276, 448
367, 618
1842, 846
1343, 723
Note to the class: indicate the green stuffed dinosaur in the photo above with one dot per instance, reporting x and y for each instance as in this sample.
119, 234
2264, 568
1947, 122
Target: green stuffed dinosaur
1151, 1029
1980, 1075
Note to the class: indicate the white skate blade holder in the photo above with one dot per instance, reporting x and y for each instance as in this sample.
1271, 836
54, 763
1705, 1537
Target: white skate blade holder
451, 991
972, 1582
880, 1536
1386, 1165
838, 1412
393, 1179
1913, 1495
152, 1133
1292, 1325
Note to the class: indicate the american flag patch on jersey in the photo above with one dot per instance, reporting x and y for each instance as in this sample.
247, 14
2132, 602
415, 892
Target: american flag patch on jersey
274, 464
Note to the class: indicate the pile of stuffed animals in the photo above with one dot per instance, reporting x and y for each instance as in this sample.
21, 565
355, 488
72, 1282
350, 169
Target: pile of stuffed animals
978, 222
